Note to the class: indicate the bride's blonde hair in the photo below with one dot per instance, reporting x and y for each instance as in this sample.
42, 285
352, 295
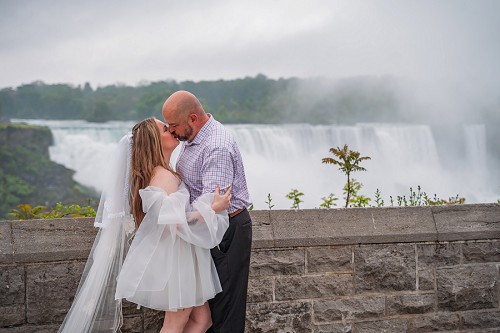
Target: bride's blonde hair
147, 154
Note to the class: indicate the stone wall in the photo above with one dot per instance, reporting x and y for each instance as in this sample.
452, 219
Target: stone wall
418, 269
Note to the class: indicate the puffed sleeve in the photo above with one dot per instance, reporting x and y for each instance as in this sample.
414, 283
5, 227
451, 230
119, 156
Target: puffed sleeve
197, 224
205, 228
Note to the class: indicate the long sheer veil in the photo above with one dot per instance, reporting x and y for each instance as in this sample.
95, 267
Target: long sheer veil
94, 308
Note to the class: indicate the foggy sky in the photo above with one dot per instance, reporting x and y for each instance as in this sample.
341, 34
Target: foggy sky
451, 42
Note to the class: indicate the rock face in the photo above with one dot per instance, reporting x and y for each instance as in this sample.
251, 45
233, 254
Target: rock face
34, 138
28, 176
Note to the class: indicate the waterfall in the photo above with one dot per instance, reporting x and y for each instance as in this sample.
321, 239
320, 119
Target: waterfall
83, 146
279, 158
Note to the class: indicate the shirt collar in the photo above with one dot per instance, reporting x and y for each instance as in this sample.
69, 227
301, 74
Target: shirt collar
204, 132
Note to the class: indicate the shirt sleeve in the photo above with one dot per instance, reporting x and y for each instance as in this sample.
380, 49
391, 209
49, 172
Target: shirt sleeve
217, 170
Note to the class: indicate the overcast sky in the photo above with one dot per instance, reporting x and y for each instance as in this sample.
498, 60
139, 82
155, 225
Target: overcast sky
106, 42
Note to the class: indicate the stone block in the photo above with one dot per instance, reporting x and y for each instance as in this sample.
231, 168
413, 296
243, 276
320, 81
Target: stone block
329, 259
467, 222
12, 288
438, 255
436, 322
386, 326
277, 262
260, 290
410, 304
318, 227
476, 252
307, 287
403, 224
279, 317
262, 237
463, 288
11, 315
153, 320
301, 228
50, 290
260, 217
51, 240
328, 311
6, 246
382, 268
334, 328
426, 279
132, 324
481, 319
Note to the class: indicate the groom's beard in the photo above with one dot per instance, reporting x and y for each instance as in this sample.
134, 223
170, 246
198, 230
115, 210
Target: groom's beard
186, 136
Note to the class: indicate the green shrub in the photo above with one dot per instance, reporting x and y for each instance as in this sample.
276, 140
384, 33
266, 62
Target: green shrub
27, 212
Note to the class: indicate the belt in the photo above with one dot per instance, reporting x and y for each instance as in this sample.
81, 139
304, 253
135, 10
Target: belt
233, 214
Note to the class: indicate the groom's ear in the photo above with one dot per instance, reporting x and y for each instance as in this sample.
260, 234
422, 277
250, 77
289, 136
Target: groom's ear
193, 118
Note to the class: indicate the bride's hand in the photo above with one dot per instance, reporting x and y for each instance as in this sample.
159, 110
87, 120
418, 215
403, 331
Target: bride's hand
221, 202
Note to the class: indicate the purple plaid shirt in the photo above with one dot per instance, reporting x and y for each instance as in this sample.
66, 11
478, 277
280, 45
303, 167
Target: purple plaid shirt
212, 159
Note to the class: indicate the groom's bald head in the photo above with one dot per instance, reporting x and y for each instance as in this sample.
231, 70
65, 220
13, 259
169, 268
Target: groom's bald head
184, 114
182, 103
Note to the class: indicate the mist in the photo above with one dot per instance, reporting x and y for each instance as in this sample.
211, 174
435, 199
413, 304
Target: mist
448, 45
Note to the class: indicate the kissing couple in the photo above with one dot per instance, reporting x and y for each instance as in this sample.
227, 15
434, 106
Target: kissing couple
171, 239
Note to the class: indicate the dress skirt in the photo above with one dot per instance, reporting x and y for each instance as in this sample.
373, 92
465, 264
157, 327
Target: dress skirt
168, 265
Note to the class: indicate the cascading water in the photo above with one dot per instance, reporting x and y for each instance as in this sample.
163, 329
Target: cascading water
282, 157
279, 158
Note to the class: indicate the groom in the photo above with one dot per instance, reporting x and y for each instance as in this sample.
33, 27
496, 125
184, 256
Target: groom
210, 157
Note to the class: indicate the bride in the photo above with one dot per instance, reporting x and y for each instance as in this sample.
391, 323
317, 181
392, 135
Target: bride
168, 266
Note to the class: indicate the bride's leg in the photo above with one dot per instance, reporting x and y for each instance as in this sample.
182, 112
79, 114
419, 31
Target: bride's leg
174, 322
199, 320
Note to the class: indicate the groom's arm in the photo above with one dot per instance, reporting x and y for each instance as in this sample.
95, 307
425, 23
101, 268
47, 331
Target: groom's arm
217, 170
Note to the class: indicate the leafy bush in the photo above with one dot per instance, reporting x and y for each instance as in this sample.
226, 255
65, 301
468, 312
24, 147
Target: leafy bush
329, 201
27, 212
295, 195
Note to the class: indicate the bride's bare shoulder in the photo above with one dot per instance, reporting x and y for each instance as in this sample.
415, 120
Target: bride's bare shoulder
165, 179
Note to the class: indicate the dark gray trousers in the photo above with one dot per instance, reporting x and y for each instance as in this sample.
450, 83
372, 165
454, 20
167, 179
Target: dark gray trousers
232, 260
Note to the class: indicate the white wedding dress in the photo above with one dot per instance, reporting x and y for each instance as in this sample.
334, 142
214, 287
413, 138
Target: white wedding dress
168, 265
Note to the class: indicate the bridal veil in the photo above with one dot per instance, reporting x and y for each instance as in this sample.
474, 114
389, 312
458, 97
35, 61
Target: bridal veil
94, 307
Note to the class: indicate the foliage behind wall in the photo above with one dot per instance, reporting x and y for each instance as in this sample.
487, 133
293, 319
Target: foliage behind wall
248, 100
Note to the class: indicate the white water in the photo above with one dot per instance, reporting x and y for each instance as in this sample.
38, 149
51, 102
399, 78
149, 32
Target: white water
279, 158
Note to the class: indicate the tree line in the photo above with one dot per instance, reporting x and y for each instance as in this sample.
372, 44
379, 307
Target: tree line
248, 100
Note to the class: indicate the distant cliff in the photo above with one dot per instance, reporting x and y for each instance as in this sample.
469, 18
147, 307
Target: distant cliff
27, 175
